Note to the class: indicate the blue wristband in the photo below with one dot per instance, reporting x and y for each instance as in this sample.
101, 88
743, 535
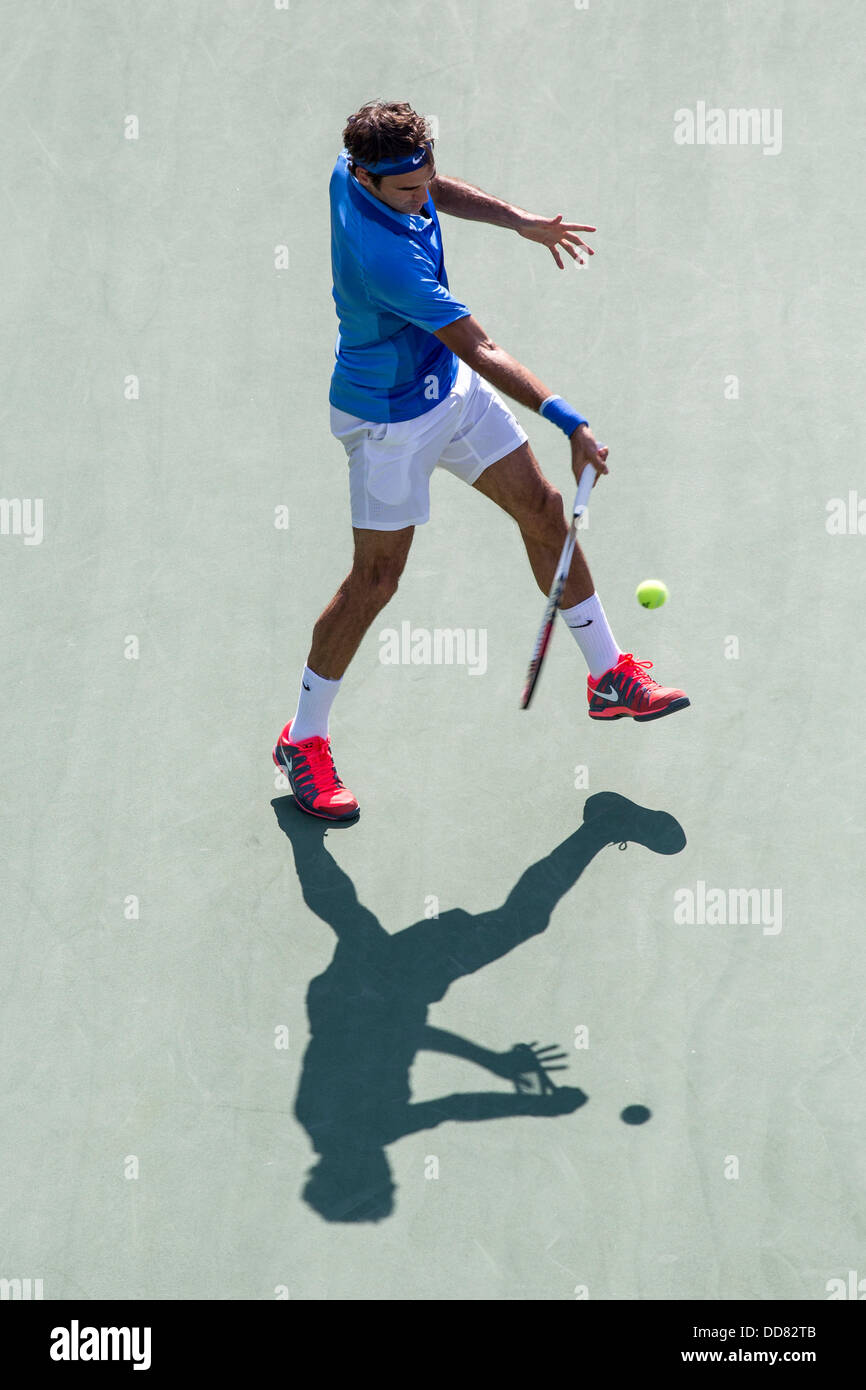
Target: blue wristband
560, 413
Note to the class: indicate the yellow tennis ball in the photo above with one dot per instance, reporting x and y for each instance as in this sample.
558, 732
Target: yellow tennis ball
652, 593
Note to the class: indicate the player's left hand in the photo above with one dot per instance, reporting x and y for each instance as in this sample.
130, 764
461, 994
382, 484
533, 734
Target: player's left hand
527, 1065
552, 232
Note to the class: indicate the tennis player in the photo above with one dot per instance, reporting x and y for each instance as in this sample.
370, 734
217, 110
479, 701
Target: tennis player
415, 387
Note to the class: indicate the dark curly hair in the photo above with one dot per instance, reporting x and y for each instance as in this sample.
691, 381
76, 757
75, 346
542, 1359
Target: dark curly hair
384, 130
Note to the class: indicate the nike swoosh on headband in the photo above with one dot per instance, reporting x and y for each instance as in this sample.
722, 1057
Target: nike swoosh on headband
402, 164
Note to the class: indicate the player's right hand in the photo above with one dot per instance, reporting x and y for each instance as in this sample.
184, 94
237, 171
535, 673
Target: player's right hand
585, 449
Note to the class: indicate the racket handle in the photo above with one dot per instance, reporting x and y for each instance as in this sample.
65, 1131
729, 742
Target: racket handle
584, 488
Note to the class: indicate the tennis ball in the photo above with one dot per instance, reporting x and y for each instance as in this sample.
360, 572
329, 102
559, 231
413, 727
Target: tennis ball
651, 593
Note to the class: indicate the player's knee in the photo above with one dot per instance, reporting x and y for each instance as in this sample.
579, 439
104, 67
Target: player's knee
544, 517
385, 582
554, 516
377, 581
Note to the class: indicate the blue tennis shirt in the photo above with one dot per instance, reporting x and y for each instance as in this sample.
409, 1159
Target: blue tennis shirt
391, 293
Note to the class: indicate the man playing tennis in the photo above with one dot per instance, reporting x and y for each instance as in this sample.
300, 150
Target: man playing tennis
415, 387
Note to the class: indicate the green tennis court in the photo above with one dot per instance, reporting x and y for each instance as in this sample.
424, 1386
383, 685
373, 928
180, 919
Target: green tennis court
246, 1054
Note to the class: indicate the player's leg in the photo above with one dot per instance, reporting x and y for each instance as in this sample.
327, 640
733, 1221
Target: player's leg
303, 749
389, 495
517, 484
371, 583
490, 450
617, 684
378, 562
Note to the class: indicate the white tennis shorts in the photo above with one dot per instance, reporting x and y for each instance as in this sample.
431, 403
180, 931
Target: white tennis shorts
390, 465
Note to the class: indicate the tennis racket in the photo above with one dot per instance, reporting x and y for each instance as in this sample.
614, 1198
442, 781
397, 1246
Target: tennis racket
584, 488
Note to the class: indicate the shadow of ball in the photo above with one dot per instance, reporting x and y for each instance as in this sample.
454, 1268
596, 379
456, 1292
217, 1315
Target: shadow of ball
635, 1115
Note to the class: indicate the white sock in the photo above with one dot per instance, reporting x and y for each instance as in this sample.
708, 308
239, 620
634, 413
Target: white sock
314, 705
590, 629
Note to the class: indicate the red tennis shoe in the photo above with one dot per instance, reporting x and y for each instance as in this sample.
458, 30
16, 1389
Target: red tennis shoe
628, 689
313, 778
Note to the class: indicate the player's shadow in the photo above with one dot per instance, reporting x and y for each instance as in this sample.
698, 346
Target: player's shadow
368, 1010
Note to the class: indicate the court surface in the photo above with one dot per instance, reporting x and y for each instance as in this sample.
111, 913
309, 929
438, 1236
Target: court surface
175, 516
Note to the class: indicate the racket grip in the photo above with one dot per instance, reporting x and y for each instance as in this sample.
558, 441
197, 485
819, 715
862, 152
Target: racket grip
584, 488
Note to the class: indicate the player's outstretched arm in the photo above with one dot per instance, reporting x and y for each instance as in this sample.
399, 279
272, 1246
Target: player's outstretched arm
467, 1106
468, 340
440, 1040
460, 199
